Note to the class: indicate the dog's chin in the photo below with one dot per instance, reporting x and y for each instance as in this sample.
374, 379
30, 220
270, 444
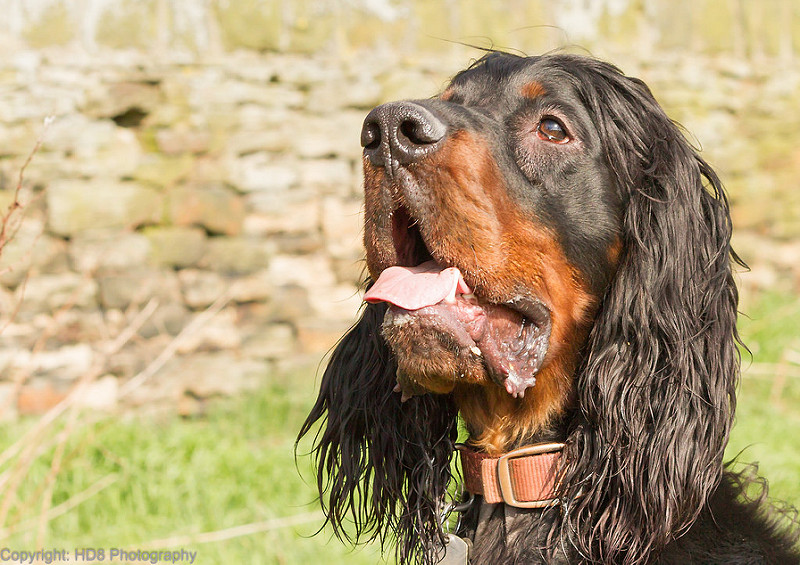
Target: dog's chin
429, 359
467, 341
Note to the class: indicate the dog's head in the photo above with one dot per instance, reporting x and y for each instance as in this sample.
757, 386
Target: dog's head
500, 199
544, 257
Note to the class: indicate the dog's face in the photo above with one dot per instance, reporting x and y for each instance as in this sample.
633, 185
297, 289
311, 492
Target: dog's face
503, 178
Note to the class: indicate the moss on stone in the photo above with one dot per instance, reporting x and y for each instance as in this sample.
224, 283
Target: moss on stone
368, 30
251, 24
235, 255
436, 25
54, 26
127, 23
532, 34
147, 139
164, 171
717, 26
763, 27
6, 199
794, 30
311, 27
74, 206
174, 246
673, 22
212, 207
485, 24
622, 28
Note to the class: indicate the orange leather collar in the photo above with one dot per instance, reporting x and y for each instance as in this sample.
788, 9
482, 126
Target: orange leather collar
524, 478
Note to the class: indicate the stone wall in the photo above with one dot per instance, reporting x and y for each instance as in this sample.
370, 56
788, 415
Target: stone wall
204, 159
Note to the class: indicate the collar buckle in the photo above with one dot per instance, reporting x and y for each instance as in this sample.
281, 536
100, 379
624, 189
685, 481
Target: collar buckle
504, 474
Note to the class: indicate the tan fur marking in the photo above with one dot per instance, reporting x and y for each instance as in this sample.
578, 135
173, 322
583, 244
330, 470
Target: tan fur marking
614, 251
532, 90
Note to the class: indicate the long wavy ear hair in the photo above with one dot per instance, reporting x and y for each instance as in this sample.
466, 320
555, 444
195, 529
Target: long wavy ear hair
382, 466
656, 391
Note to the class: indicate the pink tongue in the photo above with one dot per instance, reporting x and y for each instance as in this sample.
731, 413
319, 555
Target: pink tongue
413, 288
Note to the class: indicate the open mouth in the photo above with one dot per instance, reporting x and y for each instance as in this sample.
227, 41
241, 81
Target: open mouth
511, 338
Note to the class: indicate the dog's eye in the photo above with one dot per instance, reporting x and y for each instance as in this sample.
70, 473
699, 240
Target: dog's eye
550, 129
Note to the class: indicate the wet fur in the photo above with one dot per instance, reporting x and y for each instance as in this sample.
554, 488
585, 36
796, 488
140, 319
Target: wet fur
652, 396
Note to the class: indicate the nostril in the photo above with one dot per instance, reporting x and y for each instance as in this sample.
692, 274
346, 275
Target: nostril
371, 135
415, 133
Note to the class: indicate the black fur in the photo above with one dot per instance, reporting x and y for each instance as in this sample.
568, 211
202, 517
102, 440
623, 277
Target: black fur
384, 466
642, 479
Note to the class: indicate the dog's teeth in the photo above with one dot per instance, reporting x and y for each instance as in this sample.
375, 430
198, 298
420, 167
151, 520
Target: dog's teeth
476, 350
405, 397
451, 296
470, 296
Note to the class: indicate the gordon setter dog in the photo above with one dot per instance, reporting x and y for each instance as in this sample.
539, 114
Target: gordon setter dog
550, 277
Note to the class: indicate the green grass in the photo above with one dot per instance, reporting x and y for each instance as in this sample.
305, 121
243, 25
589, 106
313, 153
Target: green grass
768, 415
178, 477
181, 477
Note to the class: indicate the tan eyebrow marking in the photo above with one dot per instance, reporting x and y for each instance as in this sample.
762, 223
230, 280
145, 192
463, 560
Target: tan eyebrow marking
532, 89
447, 94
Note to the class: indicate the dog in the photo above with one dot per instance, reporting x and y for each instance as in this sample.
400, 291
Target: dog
550, 272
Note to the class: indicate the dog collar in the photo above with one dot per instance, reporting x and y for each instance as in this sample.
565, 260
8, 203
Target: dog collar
524, 478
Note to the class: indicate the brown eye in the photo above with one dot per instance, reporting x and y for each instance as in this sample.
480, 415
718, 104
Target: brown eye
550, 129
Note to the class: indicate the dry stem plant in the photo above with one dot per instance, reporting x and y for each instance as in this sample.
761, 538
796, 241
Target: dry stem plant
49, 435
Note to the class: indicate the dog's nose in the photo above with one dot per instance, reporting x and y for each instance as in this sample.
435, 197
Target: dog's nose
400, 133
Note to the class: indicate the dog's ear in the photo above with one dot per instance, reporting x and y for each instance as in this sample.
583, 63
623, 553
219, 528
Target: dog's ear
656, 391
383, 466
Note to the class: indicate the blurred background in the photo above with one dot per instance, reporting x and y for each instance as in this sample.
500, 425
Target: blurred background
180, 188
